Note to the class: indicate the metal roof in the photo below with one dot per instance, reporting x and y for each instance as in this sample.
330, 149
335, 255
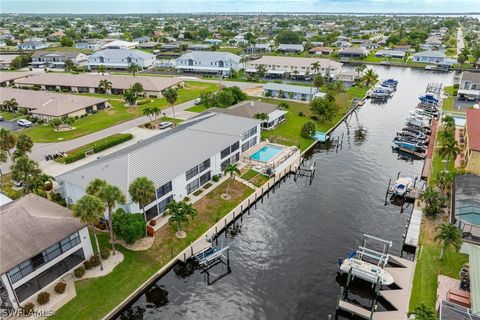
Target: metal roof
210, 56
118, 54
290, 88
165, 156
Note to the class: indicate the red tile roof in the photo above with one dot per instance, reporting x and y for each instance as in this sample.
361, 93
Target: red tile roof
473, 128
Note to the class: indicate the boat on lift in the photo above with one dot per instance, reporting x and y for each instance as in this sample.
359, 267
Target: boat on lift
402, 186
418, 122
391, 83
365, 270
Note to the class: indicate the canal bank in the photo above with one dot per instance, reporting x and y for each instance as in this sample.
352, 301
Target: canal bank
284, 258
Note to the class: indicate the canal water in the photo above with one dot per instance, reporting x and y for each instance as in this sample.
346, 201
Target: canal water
284, 256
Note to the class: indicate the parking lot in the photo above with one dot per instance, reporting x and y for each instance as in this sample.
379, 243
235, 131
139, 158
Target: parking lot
10, 124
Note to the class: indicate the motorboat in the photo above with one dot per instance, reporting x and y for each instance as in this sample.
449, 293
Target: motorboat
391, 83
420, 142
381, 88
402, 186
417, 130
412, 135
418, 122
410, 147
366, 271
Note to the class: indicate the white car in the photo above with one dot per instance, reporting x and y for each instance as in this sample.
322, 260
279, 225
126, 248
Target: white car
24, 123
197, 101
164, 125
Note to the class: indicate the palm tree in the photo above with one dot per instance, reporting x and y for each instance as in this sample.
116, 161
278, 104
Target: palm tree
69, 65
232, 170
142, 191
179, 213
449, 235
359, 70
130, 97
433, 201
261, 116
449, 148
244, 60
7, 142
315, 67
95, 186
133, 68
445, 180
112, 196
156, 111
370, 77
90, 209
11, 105
448, 123
25, 170
105, 85
261, 71
24, 143
101, 68
171, 94
147, 111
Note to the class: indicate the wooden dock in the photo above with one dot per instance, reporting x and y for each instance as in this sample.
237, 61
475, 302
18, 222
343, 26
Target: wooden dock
413, 230
429, 155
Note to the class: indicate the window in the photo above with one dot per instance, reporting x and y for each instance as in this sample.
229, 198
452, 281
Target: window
225, 152
162, 205
192, 186
152, 213
70, 242
205, 178
204, 165
235, 146
235, 158
191, 173
245, 146
163, 190
53, 252
253, 131
224, 164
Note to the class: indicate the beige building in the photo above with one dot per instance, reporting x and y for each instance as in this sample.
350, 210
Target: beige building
472, 140
49, 105
89, 83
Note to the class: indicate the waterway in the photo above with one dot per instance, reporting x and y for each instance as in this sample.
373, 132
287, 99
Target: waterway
284, 258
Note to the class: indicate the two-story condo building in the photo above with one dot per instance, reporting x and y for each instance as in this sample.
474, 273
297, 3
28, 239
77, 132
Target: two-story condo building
121, 59
208, 62
32, 45
40, 241
469, 87
178, 161
56, 59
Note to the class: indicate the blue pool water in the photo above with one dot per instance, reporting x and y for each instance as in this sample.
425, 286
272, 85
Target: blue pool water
471, 218
459, 121
266, 153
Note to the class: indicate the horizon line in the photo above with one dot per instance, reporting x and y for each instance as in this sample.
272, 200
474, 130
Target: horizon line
253, 12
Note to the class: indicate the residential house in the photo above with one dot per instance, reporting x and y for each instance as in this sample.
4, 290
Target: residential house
258, 48
6, 60
250, 109
208, 62
404, 48
213, 41
290, 48
56, 59
239, 40
321, 50
178, 161
397, 54
8, 78
466, 207
88, 45
472, 140
48, 105
141, 40
341, 44
56, 36
172, 46
290, 91
40, 242
121, 59
353, 52
89, 83
432, 57
32, 45
120, 44
285, 67
199, 47
469, 87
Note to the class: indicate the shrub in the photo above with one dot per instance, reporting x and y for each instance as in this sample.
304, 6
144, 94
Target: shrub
105, 253
142, 102
268, 94
95, 260
79, 272
215, 178
198, 192
150, 231
283, 105
128, 227
207, 185
308, 129
186, 199
112, 141
43, 298
87, 265
28, 308
153, 222
314, 117
60, 287
301, 114
75, 156
148, 125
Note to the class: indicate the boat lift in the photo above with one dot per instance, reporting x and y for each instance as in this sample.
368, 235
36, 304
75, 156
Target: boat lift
305, 170
211, 257
410, 196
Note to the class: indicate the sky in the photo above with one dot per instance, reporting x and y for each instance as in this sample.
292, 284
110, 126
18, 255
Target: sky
196, 6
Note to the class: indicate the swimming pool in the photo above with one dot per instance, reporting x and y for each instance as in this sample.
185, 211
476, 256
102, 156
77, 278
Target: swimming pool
266, 153
473, 219
459, 121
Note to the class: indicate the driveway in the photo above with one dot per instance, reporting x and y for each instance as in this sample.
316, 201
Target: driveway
10, 125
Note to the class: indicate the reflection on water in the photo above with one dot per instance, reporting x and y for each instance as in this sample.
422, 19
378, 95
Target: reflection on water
284, 253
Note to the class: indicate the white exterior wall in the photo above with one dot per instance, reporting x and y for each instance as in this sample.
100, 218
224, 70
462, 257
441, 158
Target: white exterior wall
85, 244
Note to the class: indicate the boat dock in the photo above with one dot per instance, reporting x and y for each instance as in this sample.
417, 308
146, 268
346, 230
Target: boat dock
413, 229
429, 154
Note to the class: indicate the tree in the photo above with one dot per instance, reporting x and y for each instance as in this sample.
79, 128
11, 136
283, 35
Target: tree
244, 60
105, 86
370, 77
433, 201
261, 71
21, 61
101, 68
224, 99
89, 209
95, 186
142, 191
231, 169
129, 227
316, 67
325, 107
25, 170
10, 105
318, 81
133, 68
448, 123
24, 144
444, 180
137, 87
179, 213
461, 58
359, 70
261, 116
449, 148
147, 111
130, 97
156, 111
171, 94
66, 42
111, 196
7, 142
449, 235
69, 65
422, 312
308, 129
288, 37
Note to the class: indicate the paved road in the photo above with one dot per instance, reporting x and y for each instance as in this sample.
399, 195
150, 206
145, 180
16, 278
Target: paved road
41, 149
460, 41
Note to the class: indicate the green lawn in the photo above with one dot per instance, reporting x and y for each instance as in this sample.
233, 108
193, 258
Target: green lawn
198, 108
288, 132
449, 103
9, 115
96, 297
255, 177
233, 50
117, 114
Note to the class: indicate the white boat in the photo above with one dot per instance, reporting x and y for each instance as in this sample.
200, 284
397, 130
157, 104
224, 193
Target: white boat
418, 122
402, 186
366, 271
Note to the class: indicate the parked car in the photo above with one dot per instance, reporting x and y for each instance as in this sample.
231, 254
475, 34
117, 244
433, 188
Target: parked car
197, 101
164, 125
1, 118
24, 123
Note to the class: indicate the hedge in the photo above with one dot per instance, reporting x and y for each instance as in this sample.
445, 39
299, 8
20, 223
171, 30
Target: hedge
97, 146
